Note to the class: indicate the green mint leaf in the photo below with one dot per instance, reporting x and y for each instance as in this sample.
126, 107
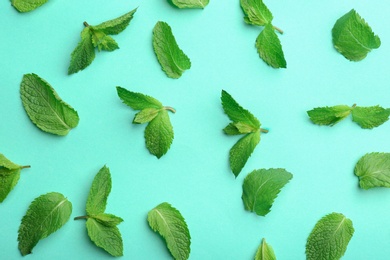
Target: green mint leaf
98, 194
370, 117
159, 134
46, 214
172, 59
269, 48
261, 187
190, 3
329, 115
103, 41
231, 129
242, 150
353, 37
9, 176
265, 252
236, 113
256, 12
373, 170
45, 108
116, 25
137, 101
170, 224
329, 238
107, 237
108, 220
27, 5
146, 115
84, 53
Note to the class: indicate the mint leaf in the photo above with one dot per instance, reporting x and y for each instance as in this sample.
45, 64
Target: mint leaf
353, 37
329, 238
45, 215
97, 36
190, 3
329, 115
98, 194
9, 176
242, 150
172, 59
45, 108
107, 237
261, 187
117, 25
170, 224
243, 123
370, 117
256, 12
269, 48
373, 170
27, 5
102, 227
159, 131
265, 252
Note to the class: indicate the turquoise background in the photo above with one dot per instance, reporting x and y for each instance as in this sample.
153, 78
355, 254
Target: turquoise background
194, 175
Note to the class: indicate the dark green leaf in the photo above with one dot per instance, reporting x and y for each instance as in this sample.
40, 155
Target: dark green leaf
269, 48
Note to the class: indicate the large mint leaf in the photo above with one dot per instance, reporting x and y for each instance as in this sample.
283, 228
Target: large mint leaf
27, 5
353, 37
98, 194
46, 214
170, 224
84, 53
136, 100
172, 59
45, 108
269, 48
370, 117
373, 170
329, 115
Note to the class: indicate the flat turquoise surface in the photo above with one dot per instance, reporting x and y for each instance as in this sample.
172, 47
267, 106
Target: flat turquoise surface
194, 175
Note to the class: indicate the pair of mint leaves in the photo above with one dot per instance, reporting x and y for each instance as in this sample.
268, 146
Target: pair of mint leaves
51, 211
365, 117
329, 239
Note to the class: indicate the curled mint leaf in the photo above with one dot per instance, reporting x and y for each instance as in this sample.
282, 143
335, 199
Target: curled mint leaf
27, 5
172, 59
265, 252
170, 224
9, 176
46, 214
329, 238
159, 131
269, 48
353, 37
190, 3
261, 187
45, 108
373, 170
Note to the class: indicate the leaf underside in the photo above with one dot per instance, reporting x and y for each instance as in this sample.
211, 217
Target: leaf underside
159, 134
373, 170
190, 3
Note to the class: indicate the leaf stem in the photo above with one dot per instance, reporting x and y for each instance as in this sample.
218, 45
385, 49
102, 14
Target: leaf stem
278, 29
86, 24
81, 217
170, 109
26, 166
264, 130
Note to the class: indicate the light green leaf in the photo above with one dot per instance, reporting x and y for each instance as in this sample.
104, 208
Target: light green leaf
146, 115
46, 214
256, 12
265, 252
261, 187
242, 150
116, 25
373, 170
172, 59
236, 113
103, 41
329, 115
107, 237
370, 117
137, 101
170, 224
45, 108
353, 37
269, 48
84, 53
98, 194
190, 3
27, 5
159, 134
9, 176
108, 220
231, 129
329, 238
